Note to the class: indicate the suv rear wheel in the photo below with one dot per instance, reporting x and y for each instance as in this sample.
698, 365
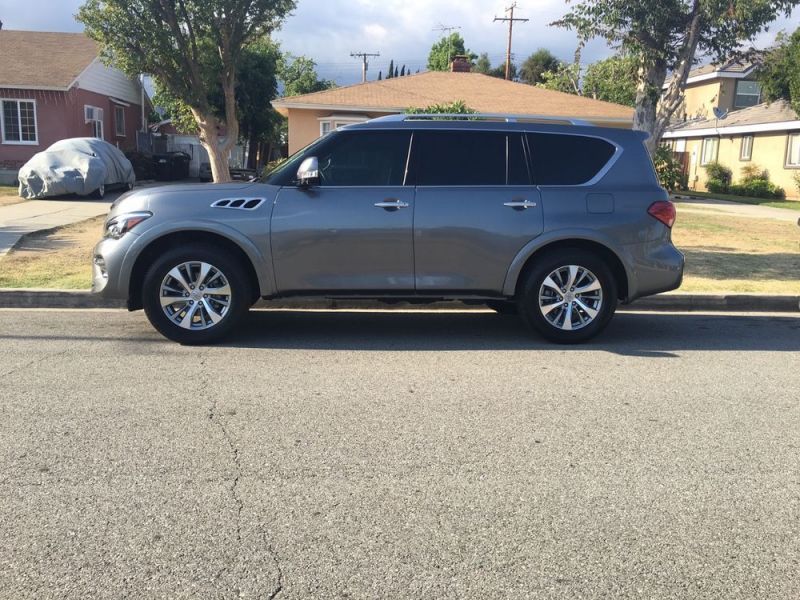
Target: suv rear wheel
569, 296
195, 294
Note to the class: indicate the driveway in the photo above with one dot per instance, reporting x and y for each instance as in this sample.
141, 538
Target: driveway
397, 455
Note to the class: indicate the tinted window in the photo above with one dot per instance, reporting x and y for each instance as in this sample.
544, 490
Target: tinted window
364, 158
567, 159
517, 165
460, 158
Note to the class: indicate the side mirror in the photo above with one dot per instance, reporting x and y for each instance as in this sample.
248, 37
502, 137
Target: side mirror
308, 173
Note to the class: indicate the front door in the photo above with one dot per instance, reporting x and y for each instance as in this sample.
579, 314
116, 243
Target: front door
352, 232
475, 209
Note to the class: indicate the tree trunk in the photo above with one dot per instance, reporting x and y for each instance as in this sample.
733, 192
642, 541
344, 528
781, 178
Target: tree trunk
252, 153
648, 91
217, 154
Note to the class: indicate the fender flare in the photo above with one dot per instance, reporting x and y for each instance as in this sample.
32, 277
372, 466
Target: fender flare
261, 265
583, 235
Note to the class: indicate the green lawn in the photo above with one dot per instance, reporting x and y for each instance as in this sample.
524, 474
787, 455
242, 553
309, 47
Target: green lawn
790, 204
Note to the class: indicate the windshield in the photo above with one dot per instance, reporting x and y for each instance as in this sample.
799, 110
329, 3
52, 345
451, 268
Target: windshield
284, 173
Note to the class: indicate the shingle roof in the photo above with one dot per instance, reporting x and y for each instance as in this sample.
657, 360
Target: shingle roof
37, 59
479, 92
730, 66
779, 111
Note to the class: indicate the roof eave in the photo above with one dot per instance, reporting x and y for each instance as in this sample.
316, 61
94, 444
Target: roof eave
43, 88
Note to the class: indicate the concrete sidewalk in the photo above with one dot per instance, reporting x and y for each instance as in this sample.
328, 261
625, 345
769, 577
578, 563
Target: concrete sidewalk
29, 216
736, 209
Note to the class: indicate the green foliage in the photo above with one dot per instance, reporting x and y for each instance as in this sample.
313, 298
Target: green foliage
390, 72
779, 73
796, 179
443, 51
719, 177
755, 183
536, 65
566, 78
669, 169
752, 172
612, 80
483, 64
299, 76
458, 107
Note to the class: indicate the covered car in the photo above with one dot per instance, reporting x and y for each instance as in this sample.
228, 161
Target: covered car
81, 166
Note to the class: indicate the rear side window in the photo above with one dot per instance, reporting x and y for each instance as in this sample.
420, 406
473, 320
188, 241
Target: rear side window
460, 157
567, 159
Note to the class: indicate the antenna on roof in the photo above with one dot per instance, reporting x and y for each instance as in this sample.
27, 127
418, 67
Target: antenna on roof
449, 29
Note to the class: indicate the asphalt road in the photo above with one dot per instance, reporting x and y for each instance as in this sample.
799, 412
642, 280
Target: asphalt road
392, 455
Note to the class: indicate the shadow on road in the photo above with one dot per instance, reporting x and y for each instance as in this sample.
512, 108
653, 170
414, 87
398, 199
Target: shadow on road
630, 334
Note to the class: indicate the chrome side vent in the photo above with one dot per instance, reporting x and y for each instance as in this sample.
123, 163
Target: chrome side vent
240, 203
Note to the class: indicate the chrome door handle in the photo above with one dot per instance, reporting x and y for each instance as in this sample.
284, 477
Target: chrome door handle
391, 204
520, 204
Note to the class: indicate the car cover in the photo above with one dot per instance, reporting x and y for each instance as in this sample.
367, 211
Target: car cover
74, 166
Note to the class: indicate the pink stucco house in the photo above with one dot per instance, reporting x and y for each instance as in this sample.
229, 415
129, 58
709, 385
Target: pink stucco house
54, 86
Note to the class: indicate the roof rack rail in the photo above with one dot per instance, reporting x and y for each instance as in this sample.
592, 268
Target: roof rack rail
508, 118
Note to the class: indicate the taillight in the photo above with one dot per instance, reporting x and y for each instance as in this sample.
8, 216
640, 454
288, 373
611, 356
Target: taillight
664, 211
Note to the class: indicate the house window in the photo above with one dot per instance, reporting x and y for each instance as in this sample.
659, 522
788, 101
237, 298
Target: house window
19, 122
119, 121
710, 149
94, 118
748, 93
324, 127
332, 123
746, 151
793, 151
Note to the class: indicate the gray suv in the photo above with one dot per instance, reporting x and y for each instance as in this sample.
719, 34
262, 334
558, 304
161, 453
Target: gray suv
555, 219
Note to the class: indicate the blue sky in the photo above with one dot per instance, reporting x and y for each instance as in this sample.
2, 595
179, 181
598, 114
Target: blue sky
328, 30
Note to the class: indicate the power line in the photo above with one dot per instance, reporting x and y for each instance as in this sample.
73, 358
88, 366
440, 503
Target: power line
510, 20
364, 62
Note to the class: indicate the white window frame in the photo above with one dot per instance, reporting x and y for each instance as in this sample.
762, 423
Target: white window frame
97, 124
746, 148
21, 142
335, 121
736, 93
119, 110
703, 158
787, 163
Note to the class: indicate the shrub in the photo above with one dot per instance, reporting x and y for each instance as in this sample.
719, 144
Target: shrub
715, 186
720, 175
753, 172
796, 178
669, 169
758, 188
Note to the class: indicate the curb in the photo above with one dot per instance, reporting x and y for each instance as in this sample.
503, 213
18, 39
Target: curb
40, 298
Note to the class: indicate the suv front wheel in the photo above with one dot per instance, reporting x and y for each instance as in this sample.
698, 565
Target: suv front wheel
195, 294
569, 296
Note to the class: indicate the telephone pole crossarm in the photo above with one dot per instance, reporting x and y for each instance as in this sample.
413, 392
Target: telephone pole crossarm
364, 56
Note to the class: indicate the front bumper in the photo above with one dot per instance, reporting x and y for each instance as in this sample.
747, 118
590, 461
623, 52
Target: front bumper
108, 258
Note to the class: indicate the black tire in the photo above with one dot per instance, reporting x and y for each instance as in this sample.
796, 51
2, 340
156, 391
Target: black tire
100, 192
503, 307
530, 310
222, 260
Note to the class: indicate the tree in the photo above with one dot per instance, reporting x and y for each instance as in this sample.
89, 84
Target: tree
666, 35
612, 80
396, 73
390, 72
565, 78
500, 71
191, 48
380, 75
483, 64
443, 51
536, 65
299, 76
403, 71
779, 73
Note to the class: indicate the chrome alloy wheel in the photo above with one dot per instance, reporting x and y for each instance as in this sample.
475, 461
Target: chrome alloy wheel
195, 295
570, 297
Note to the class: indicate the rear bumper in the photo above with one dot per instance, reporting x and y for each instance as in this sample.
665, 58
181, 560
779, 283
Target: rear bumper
657, 267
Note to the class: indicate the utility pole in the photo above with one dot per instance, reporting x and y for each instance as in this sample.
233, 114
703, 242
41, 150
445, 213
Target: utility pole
364, 62
448, 30
510, 20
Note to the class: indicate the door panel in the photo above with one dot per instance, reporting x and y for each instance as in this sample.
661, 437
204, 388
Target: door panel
336, 239
465, 238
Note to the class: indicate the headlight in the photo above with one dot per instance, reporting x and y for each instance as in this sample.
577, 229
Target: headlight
122, 224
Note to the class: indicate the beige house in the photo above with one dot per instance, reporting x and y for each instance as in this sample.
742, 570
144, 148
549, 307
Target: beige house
743, 131
313, 115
